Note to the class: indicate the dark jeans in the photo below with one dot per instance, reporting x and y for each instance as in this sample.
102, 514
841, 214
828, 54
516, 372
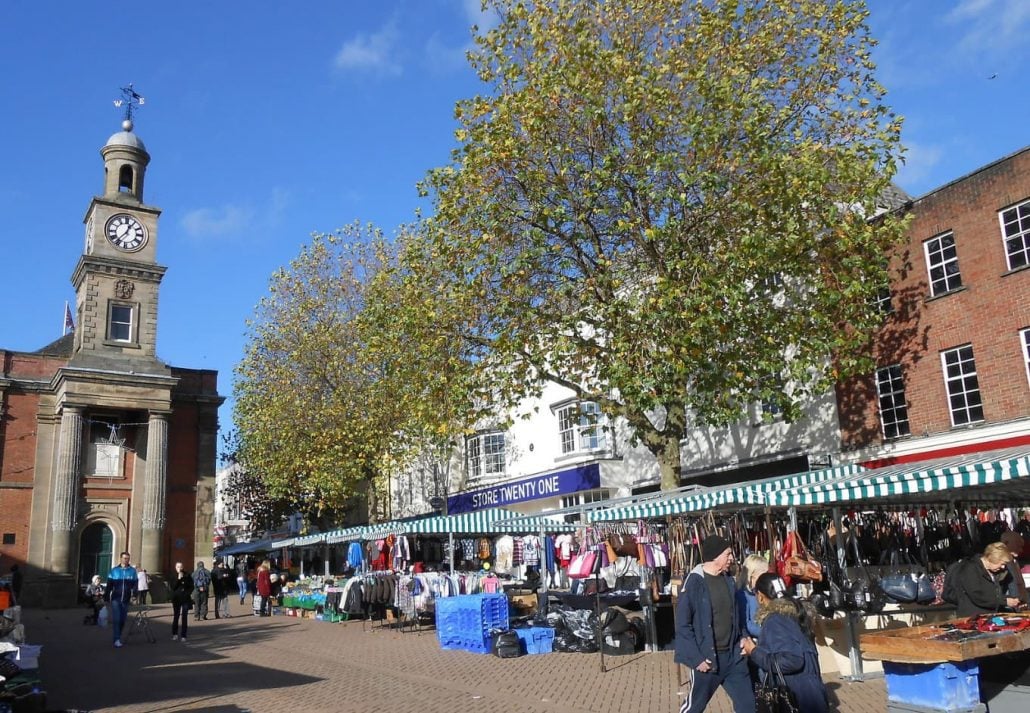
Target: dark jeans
732, 675
119, 612
265, 607
141, 596
180, 610
200, 597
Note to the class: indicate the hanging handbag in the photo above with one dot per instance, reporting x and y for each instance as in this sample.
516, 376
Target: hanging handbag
772, 694
624, 545
799, 564
582, 565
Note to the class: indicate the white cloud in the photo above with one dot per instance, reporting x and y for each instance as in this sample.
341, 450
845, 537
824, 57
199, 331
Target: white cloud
217, 222
991, 26
919, 163
443, 57
475, 15
375, 53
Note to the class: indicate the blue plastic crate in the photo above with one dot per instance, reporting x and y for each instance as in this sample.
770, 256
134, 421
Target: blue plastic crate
537, 639
470, 618
945, 686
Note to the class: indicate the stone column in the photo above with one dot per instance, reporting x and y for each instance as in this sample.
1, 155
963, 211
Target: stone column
66, 487
154, 492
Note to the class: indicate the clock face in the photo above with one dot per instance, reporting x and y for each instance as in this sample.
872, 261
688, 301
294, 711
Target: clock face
125, 232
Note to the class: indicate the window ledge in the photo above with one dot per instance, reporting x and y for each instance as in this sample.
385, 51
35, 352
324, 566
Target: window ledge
897, 439
1013, 271
579, 455
967, 426
932, 298
124, 345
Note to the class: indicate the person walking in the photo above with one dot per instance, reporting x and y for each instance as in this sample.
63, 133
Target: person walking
122, 581
182, 590
221, 583
264, 588
708, 632
143, 586
201, 587
241, 579
787, 644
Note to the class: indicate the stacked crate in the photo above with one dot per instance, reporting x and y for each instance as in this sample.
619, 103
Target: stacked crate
464, 622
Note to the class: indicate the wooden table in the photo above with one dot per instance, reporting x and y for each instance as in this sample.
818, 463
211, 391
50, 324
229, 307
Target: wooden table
917, 645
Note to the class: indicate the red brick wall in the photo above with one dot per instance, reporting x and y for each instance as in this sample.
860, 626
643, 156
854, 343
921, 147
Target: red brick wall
988, 312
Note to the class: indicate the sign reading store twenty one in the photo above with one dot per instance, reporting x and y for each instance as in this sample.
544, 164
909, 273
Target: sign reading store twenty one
564, 482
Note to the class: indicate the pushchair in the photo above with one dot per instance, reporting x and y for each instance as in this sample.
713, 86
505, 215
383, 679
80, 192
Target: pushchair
93, 599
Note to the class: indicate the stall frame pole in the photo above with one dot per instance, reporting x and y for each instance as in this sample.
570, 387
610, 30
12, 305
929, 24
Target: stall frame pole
854, 653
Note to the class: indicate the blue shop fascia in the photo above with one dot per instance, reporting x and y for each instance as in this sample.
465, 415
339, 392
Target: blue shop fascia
537, 493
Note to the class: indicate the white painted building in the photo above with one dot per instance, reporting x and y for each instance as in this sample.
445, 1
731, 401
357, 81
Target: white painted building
564, 453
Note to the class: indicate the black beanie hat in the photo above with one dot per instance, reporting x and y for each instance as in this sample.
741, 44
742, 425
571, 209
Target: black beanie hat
712, 547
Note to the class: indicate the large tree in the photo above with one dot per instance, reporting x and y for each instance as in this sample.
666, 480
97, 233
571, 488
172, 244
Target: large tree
314, 415
667, 206
345, 378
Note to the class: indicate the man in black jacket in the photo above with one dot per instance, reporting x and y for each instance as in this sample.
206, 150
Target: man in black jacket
223, 581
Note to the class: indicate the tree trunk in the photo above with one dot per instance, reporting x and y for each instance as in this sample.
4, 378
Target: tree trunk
669, 463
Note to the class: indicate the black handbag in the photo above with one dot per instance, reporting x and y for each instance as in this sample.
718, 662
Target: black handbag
772, 694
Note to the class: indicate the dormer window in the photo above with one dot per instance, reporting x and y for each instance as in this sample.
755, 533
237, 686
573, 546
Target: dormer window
125, 179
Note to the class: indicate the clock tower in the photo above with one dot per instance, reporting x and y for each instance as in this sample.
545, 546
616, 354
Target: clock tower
116, 280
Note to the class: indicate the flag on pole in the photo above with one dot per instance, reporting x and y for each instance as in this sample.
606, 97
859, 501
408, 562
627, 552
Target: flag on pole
69, 323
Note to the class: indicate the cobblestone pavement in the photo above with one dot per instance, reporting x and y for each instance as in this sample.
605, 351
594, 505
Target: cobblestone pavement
286, 664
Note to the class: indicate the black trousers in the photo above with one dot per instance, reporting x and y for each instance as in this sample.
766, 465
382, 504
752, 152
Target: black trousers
732, 674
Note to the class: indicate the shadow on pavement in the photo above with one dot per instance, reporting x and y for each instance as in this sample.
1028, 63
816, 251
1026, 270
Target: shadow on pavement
80, 669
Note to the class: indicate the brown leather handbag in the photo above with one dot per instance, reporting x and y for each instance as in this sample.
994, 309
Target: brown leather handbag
624, 545
799, 564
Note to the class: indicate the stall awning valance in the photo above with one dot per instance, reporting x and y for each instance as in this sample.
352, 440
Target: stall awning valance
998, 476
481, 522
285, 542
744, 495
245, 548
344, 534
316, 538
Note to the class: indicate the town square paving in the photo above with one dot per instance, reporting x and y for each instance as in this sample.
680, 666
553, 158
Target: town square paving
285, 664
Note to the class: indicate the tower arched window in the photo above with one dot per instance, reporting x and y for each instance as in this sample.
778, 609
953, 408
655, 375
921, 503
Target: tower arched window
125, 179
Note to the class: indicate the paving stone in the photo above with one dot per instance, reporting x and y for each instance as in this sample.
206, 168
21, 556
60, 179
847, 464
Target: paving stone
293, 665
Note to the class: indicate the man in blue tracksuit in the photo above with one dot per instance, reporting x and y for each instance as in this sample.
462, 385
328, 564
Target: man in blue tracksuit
122, 583
708, 632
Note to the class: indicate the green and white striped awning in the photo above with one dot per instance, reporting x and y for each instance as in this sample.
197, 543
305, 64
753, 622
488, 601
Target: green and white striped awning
483, 522
315, 538
742, 495
1000, 476
344, 534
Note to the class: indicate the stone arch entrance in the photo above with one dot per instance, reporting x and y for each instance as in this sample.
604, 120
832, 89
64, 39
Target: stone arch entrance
96, 551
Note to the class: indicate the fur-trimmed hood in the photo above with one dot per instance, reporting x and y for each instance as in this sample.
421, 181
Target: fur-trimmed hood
783, 606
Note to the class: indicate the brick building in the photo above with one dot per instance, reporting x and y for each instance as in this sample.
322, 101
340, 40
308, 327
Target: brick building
103, 446
953, 356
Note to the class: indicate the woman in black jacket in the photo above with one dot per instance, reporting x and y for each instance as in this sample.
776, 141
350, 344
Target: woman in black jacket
182, 600
977, 585
787, 639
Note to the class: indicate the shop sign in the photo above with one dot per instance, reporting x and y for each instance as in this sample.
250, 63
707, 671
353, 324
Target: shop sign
564, 482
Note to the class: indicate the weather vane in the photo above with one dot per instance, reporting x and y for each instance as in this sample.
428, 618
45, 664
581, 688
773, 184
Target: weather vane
131, 101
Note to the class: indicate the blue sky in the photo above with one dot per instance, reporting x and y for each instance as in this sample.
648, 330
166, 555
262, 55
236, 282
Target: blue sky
268, 121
